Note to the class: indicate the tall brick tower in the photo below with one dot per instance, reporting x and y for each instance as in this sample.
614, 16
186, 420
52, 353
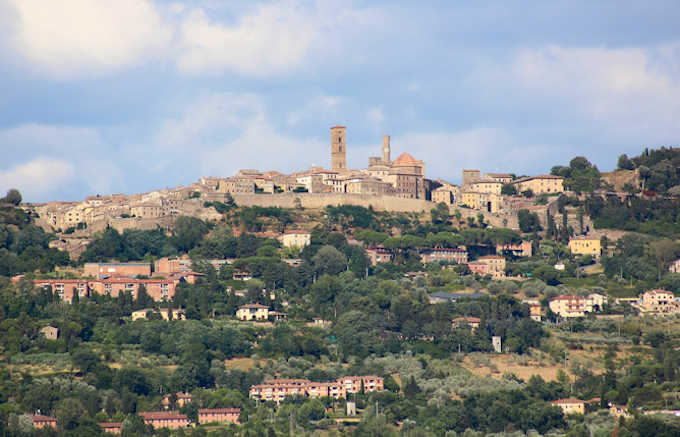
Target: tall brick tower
339, 148
386, 149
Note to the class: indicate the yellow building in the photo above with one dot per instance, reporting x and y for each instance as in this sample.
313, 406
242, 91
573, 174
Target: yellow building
252, 311
487, 186
483, 201
296, 239
164, 313
571, 406
585, 246
540, 184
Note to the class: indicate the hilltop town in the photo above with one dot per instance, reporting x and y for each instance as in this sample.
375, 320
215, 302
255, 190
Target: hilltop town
398, 185
336, 300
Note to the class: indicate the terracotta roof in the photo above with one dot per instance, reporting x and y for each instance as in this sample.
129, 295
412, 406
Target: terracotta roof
253, 305
110, 424
41, 418
218, 410
568, 298
405, 160
160, 415
567, 401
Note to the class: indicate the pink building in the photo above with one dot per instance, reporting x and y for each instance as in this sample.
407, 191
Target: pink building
111, 427
40, 421
277, 389
158, 289
218, 415
165, 419
98, 270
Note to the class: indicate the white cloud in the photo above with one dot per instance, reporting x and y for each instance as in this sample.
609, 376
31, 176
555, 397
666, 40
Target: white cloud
38, 178
629, 90
376, 116
46, 159
225, 132
69, 38
446, 154
322, 106
274, 38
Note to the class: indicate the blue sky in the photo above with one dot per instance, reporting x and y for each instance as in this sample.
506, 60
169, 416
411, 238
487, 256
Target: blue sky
100, 96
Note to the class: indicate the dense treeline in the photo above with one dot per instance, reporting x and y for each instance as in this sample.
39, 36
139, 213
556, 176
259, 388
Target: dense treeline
659, 169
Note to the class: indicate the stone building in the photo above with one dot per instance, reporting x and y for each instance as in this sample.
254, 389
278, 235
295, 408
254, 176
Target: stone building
541, 184
470, 176
339, 148
98, 270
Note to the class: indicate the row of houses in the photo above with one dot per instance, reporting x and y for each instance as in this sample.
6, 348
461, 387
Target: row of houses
158, 289
278, 389
158, 419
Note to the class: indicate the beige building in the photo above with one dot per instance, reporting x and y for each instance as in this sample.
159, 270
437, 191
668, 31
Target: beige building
568, 306
540, 184
486, 186
482, 201
496, 265
177, 314
378, 255
503, 178
50, 332
252, 311
296, 239
585, 246
658, 302
446, 194
570, 406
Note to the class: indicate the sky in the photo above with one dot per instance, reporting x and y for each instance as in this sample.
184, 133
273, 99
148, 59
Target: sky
128, 96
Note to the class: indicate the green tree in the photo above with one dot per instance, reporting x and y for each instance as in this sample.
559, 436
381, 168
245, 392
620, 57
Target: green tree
13, 196
187, 233
329, 260
509, 190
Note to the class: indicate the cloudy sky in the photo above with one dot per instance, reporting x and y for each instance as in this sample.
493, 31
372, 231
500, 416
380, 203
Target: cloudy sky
101, 96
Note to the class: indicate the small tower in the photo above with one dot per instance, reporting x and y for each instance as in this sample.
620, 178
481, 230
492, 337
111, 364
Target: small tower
386, 149
339, 148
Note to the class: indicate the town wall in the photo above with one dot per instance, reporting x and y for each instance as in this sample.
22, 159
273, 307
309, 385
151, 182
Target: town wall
321, 200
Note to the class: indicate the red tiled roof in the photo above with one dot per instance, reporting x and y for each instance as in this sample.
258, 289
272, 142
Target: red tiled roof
162, 415
405, 160
218, 410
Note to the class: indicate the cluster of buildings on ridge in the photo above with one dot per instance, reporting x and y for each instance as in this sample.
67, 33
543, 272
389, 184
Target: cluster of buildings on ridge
278, 389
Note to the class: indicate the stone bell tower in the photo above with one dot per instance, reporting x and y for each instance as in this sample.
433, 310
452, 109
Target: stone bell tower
386, 149
339, 148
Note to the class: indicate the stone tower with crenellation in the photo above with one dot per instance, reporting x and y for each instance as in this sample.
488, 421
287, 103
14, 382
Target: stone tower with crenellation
339, 148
